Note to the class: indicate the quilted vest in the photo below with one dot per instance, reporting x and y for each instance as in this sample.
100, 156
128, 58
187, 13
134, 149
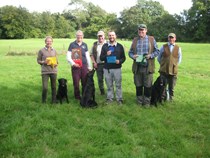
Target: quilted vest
151, 62
169, 60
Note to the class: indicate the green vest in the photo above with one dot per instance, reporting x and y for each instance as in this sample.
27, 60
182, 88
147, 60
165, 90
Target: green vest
169, 61
151, 62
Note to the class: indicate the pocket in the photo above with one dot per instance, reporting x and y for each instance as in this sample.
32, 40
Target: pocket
175, 69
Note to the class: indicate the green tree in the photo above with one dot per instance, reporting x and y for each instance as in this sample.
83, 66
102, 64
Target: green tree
46, 23
36, 29
143, 12
162, 26
198, 21
15, 22
62, 26
90, 18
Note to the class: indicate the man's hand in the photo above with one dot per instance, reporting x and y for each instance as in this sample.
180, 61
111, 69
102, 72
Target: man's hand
95, 65
117, 61
135, 56
148, 56
76, 65
109, 52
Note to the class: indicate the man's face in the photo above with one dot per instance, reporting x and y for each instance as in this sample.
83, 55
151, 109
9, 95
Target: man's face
79, 37
48, 42
100, 38
171, 39
112, 36
142, 32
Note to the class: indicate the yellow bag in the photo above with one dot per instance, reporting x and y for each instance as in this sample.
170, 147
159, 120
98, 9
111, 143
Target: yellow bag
52, 61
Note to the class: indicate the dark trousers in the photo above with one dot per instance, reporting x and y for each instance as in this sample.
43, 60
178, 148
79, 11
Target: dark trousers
77, 75
171, 83
100, 76
45, 79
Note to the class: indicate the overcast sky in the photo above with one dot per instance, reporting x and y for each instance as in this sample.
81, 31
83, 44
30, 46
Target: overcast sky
111, 6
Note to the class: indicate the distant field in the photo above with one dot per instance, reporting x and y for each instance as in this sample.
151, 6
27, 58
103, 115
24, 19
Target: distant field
29, 129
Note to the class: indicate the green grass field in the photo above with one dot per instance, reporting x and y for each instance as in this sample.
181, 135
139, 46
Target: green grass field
28, 129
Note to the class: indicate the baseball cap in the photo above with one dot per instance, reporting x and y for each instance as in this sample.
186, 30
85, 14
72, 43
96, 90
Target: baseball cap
100, 33
171, 35
142, 26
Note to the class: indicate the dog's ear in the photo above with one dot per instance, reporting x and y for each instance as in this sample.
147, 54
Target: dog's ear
65, 80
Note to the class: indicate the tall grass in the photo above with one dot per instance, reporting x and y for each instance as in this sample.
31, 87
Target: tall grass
30, 129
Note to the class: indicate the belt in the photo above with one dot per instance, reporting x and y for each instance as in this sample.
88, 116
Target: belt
100, 63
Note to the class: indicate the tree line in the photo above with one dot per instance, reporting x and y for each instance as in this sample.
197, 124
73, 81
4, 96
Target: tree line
191, 25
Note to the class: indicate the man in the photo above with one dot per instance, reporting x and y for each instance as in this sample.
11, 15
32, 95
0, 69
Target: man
80, 64
48, 70
169, 58
97, 63
143, 52
113, 55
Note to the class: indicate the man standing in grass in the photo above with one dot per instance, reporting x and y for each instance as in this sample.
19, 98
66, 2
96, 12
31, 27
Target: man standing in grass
79, 58
113, 55
143, 52
47, 58
97, 63
169, 58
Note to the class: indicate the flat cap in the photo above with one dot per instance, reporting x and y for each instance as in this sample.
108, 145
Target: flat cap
171, 35
142, 26
100, 33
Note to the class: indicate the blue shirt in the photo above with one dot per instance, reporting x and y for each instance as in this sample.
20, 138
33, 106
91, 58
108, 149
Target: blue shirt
142, 47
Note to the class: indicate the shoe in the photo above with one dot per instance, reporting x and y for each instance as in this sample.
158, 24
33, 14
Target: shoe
146, 102
53, 102
146, 105
102, 92
139, 100
119, 102
171, 98
78, 98
109, 101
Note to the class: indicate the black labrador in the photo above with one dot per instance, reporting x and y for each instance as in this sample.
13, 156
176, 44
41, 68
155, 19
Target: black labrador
88, 96
158, 90
62, 90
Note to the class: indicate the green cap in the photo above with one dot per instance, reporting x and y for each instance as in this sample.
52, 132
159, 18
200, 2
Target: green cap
142, 26
171, 35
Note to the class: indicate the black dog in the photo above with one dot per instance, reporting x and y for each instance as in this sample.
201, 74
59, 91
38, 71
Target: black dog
158, 90
62, 90
88, 96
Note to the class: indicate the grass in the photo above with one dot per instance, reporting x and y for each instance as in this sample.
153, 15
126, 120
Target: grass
30, 129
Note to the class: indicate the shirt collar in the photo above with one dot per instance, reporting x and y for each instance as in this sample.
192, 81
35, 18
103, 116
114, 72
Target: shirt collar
47, 48
115, 44
101, 43
169, 44
146, 37
78, 43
